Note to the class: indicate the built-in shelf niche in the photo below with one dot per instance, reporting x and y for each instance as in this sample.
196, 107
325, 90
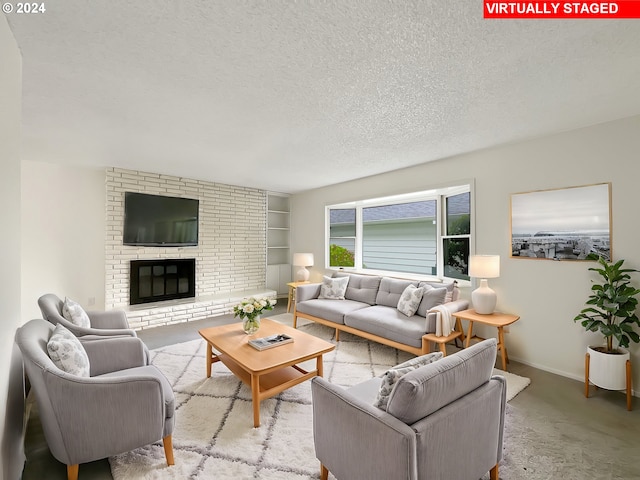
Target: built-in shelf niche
278, 250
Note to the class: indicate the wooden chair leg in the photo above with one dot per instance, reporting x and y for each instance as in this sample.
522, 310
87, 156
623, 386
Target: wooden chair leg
629, 382
324, 473
493, 473
443, 349
72, 472
295, 320
337, 335
168, 449
586, 375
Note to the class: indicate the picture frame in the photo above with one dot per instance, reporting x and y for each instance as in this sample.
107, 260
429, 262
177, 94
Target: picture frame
562, 224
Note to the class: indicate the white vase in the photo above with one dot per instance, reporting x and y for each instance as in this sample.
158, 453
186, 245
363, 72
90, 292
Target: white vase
608, 370
251, 325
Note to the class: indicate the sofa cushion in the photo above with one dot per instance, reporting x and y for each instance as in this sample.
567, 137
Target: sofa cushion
362, 288
451, 289
390, 291
410, 300
73, 312
389, 323
423, 391
67, 353
332, 310
333, 288
391, 376
430, 298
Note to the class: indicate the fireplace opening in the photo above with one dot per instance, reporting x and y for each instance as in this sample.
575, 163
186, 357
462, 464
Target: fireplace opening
161, 279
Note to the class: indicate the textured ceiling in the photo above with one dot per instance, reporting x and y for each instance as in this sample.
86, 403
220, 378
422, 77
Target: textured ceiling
288, 96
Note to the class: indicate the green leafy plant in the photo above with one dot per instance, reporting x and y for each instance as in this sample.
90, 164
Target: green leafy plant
340, 256
612, 304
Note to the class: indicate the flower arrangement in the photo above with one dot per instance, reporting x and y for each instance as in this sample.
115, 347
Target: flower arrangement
250, 309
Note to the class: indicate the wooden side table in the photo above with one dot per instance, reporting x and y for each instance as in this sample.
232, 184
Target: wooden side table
495, 319
292, 293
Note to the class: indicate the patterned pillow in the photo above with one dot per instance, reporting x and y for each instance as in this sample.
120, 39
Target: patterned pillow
410, 300
391, 377
333, 288
67, 353
73, 312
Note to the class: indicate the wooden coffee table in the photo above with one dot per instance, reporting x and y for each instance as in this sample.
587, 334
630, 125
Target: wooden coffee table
267, 372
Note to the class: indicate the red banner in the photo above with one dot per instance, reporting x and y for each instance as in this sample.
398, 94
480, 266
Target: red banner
562, 9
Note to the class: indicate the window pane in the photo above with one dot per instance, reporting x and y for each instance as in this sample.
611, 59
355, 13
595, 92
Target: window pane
456, 258
342, 252
459, 214
400, 237
342, 232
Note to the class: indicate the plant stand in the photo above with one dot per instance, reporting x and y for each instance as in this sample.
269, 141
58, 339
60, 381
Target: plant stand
628, 382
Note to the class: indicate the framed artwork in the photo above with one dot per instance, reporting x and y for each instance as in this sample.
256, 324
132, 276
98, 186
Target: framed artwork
562, 224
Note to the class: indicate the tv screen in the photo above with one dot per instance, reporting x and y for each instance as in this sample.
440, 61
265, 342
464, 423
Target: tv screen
155, 220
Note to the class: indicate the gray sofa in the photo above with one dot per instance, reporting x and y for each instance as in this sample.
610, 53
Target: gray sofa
443, 420
369, 309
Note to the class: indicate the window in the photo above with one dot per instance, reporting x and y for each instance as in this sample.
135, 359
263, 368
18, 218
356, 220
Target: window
426, 233
455, 241
342, 237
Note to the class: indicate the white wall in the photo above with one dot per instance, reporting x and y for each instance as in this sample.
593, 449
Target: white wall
63, 246
546, 294
11, 389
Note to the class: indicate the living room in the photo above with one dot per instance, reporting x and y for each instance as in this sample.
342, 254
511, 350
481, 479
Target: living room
62, 219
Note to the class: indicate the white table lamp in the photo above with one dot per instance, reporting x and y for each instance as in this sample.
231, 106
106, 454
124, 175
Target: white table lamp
302, 260
484, 298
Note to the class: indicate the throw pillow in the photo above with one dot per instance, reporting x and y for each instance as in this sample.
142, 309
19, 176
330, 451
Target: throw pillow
391, 376
73, 312
389, 379
421, 360
67, 353
410, 300
333, 288
430, 298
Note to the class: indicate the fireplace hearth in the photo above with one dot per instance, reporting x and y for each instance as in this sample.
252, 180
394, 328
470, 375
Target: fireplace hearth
161, 279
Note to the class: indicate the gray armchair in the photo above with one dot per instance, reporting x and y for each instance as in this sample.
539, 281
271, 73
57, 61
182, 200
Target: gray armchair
123, 404
103, 324
444, 420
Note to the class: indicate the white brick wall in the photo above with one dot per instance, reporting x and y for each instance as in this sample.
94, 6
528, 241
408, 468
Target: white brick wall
231, 252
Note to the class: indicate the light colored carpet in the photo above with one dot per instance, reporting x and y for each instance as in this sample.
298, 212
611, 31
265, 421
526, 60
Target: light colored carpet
214, 435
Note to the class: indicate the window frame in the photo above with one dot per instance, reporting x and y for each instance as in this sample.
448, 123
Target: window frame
439, 194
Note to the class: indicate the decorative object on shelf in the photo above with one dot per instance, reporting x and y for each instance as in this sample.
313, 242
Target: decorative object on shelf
611, 310
562, 224
484, 298
302, 260
250, 309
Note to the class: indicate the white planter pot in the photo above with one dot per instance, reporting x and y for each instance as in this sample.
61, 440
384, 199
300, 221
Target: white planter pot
607, 370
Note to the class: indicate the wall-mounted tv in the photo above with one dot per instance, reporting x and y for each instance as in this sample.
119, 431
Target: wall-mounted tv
160, 221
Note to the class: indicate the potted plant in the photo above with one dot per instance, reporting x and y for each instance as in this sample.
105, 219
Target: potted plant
610, 310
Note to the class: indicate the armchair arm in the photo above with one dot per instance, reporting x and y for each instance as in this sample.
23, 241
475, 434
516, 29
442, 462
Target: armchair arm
307, 292
114, 319
115, 353
358, 441
101, 417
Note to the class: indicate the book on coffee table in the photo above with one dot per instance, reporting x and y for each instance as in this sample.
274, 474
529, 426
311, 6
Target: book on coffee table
270, 341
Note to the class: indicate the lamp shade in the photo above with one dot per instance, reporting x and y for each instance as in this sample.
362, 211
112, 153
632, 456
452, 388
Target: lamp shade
303, 259
484, 266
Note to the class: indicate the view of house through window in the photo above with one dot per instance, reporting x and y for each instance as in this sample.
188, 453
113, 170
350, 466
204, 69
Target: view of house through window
404, 235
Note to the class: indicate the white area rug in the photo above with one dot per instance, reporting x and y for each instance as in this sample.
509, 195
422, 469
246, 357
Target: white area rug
214, 435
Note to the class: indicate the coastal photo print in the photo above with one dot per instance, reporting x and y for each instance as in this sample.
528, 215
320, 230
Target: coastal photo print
562, 224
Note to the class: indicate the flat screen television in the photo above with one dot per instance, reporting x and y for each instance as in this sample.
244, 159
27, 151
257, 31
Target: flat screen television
160, 221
